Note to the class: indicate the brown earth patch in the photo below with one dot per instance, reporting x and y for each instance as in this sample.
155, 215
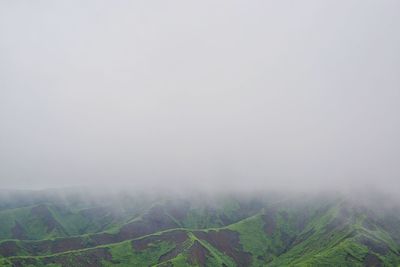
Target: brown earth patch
287, 240
91, 258
43, 213
18, 232
372, 260
9, 248
226, 241
375, 246
65, 244
303, 237
154, 221
102, 238
37, 247
24, 262
269, 222
178, 237
198, 254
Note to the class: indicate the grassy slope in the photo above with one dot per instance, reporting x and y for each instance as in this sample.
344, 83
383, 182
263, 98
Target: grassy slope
52, 222
124, 255
339, 241
31, 225
331, 237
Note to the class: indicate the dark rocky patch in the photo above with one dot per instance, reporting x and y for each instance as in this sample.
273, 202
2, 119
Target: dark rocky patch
226, 241
303, 237
65, 244
24, 262
42, 212
287, 240
372, 260
171, 254
197, 254
178, 237
269, 222
375, 246
9, 248
18, 232
155, 220
91, 258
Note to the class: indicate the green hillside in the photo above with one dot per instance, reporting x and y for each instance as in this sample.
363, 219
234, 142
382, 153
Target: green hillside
260, 230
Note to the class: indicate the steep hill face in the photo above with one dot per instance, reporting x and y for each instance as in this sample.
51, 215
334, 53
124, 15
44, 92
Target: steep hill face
229, 230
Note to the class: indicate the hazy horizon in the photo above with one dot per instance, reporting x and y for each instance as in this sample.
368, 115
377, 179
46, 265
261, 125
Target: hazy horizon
205, 95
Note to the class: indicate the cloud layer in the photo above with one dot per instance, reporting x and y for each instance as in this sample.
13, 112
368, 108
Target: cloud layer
217, 94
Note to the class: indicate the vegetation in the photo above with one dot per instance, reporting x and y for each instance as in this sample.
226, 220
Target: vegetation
228, 231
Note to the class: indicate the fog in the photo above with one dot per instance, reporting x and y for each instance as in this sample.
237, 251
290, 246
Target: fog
293, 95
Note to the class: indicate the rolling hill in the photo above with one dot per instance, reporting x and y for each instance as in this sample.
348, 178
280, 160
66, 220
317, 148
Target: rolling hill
136, 229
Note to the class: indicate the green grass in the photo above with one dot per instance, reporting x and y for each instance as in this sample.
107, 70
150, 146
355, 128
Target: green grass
253, 238
303, 234
124, 255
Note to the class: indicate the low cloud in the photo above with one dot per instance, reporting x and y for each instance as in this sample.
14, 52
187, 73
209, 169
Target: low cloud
213, 95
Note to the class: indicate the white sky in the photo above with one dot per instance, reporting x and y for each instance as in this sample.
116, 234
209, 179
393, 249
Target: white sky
263, 94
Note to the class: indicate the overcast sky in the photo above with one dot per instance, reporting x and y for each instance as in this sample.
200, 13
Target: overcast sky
248, 94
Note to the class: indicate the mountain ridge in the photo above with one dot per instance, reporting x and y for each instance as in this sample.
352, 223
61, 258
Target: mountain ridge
233, 232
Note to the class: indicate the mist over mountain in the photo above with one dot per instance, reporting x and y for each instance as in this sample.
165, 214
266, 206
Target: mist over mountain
224, 94
199, 133
131, 228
